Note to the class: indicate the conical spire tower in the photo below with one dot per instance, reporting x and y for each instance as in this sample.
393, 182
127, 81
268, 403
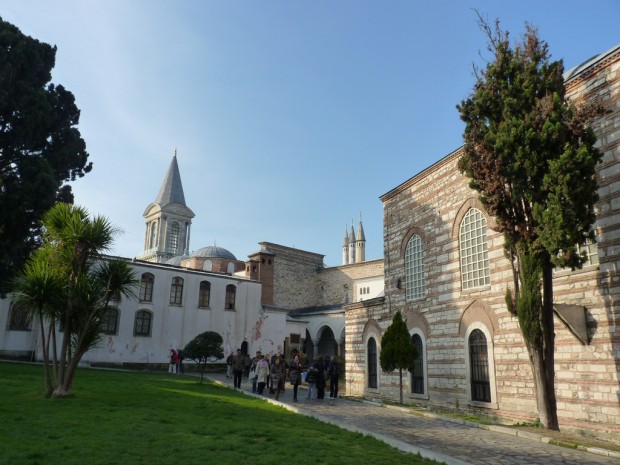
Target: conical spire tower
168, 220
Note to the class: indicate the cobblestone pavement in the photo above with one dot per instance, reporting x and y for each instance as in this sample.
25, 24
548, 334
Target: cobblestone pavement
434, 437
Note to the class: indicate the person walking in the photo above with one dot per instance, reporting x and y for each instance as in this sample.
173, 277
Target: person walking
174, 360
229, 364
238, 367
320, 378
311, 380
248, 364
253, 373
277, 376
294, 374
334, 374
262, 373
181, 357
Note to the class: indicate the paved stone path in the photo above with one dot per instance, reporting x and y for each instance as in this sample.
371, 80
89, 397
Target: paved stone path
448, 441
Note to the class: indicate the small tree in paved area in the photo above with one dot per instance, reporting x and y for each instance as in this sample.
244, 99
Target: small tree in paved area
204, 348
397, 351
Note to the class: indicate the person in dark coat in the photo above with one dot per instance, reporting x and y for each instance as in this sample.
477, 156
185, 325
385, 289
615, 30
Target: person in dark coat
334, 374
294, 374
278, 374
320, 378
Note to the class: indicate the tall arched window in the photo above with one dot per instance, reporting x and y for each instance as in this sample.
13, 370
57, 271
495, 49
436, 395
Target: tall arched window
417, 375
231, 292
110, 321
176, 291
146, 287
173, 237
142, 325
479, 366
474, 253
414, 268
204, 294
153, 235
372, 363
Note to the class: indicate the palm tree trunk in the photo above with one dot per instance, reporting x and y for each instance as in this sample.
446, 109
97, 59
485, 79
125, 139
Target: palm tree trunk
46, 359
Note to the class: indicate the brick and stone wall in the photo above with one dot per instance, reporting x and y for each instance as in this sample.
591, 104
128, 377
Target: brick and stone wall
432, 205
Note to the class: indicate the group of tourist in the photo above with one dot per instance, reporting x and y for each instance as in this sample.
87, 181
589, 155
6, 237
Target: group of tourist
176, 361
273, 373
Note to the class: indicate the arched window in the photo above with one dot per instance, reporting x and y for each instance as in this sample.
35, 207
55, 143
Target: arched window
479, 366
417, 375
153, 235
230, 297
146, 287
372, 363
110, 321
474, 253
176, 291
142, 325
204, 294
19, 318
207, 265
173, 238
414, 268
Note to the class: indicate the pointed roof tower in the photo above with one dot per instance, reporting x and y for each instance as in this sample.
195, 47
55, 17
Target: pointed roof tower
352, 235
171, 190
168, 220
360, 245
346, 236
360, 230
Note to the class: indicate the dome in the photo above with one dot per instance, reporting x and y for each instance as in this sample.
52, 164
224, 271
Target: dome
176, 261
213, 251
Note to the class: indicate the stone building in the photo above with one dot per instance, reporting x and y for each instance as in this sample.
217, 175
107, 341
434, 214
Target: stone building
279, 300
446, 272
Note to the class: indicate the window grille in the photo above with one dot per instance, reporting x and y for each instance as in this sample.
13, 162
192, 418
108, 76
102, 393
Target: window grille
176, 291
479, 367
414, 268
372, 363
146, 287
142, 326
417, 375
204, 294
230, 297
474, 253
110, 321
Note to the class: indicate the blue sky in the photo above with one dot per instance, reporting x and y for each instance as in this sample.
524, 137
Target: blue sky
289, 117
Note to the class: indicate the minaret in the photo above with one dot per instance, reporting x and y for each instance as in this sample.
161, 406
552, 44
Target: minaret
345, 247
360, 244
352, 245
168, 220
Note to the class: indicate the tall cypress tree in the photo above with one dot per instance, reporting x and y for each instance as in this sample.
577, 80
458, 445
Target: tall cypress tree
530, 154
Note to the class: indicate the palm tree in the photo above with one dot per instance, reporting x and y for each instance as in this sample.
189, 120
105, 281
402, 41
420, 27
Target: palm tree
67, 281
39, 288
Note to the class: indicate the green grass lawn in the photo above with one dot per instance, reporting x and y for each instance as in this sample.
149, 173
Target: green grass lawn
154, 418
